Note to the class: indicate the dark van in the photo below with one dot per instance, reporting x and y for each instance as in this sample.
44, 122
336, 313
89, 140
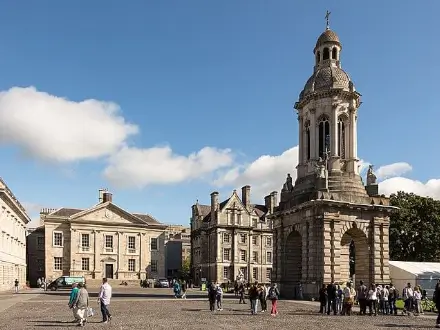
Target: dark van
65, 282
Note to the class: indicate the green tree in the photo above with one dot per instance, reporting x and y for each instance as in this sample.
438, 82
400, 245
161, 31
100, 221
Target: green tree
415, 228
186, 269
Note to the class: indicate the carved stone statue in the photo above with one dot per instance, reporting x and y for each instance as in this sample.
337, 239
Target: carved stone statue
240, 276
371, 177
288, 185
320, 169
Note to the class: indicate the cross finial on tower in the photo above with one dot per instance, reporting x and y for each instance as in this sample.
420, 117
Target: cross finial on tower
327, 16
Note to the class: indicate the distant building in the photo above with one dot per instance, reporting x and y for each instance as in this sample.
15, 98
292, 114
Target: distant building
177, 249
13, 221
232, 237
35, 255
101, 241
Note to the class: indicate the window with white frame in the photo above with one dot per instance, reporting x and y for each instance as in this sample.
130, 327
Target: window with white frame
85, 264
131, 244
58, 263
57, 238
154, 266
254, 240
268, 257
239, 218
131, 265
269, 273
254, 222
225, 272
153, 244
255, 273
227, 254
268, 241
85, 242
255, 256
243, 255
108, 243
243, 238
226, 238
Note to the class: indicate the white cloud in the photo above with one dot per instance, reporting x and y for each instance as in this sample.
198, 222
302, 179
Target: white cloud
429, 189
51, 128
134, 167
393, 170
265, 174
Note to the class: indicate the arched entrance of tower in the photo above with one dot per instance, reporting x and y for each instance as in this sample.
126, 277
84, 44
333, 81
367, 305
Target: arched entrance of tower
354, 261
292, 271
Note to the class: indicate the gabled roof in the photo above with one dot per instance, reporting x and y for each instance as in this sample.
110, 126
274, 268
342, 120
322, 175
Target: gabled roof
65, 212
418, 268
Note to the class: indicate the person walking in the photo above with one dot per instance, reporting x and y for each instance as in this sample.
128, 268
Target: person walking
436, 299
362, 298
104, 297
82, 304
219, 297
16, 283
273, 296
72, 299
212, 295
253, 297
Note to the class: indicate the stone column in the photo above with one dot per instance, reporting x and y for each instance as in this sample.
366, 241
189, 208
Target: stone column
301, 153
334, 157
352, 145
313, 130
327, 251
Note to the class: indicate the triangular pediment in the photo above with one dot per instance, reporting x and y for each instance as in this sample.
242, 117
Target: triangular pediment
107, 212
234, 202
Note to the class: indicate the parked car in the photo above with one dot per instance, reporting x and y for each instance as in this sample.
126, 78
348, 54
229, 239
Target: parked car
162, 283
65, 282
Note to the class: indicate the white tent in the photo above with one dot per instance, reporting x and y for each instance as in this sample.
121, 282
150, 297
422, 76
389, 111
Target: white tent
425, 274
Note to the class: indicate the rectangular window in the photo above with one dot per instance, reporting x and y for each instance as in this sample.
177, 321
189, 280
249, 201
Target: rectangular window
226, 238
85, 264
154, 266
108, 243
269, 273
40, 243
269, 257
131, 265
225, 272
255, 273
58, 263
85, 242
227, 254
154, 244
239, 218
255, 256
57, 239
131, 244
243, 255
40, 265
254, 222
243, 238
268, 241
254, 240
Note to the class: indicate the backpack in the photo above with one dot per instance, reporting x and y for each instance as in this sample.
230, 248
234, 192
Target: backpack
272, 293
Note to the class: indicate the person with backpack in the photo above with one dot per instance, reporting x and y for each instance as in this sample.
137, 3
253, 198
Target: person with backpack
273, 296
253, 297
408, 295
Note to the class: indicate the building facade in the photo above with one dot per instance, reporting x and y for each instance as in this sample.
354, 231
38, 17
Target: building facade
328, 225
102, 241
232, 237
13, 221
35, 255
178, 249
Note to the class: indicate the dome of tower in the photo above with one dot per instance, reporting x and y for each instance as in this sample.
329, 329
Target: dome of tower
326, 78
328, 36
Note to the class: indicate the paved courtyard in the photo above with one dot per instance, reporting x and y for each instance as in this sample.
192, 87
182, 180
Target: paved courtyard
156, 309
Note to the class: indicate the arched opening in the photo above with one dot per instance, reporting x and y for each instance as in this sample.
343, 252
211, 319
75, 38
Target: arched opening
292, 272
326, 54
308, 140
324, 136
334, 53
354, 261
341, 138
318, 57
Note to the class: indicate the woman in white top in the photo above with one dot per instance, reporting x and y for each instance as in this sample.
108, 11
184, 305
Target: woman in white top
418, 300
372, 300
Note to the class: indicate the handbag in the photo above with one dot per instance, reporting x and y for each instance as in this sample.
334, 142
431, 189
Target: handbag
90, 312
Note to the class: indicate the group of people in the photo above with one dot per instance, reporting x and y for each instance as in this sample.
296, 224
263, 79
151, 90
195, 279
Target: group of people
79, 302
179, 289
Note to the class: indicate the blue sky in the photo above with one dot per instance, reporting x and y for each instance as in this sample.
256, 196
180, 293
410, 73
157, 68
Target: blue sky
185, 75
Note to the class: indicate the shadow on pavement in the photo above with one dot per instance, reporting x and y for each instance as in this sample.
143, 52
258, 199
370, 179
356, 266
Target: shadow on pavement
404, 326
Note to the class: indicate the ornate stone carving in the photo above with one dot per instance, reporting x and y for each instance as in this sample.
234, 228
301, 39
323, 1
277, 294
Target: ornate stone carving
371, 177
320, 169
288, 185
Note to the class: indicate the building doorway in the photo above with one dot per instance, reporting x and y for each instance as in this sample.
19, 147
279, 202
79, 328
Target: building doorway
109, 271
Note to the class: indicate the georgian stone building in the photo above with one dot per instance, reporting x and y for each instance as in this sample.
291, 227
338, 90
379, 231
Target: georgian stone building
328, 216
13, 221
230, 237
102, 241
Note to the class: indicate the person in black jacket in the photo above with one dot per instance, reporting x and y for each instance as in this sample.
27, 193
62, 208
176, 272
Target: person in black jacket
436, 299
331, 298
212, 294
323, 299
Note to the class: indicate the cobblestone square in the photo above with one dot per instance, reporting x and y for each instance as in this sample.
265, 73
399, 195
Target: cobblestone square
162, 312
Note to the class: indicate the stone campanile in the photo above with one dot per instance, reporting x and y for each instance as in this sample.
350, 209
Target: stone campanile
328, 225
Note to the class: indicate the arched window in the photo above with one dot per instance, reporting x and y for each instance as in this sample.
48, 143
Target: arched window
324, 136
318, 57
326, 54
307, 127
335, 54
341, 138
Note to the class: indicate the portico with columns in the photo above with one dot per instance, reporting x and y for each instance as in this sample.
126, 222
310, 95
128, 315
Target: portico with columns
328, 217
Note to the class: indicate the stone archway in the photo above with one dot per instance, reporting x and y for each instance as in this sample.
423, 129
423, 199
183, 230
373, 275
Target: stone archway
358, 240
292, 270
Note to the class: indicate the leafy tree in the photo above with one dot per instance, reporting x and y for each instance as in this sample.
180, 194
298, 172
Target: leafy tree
186, 269
415, 228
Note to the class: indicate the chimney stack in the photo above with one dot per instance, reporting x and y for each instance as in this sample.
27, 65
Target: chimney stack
214, 204
107, 197
271, 201
246, 196
101, 195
